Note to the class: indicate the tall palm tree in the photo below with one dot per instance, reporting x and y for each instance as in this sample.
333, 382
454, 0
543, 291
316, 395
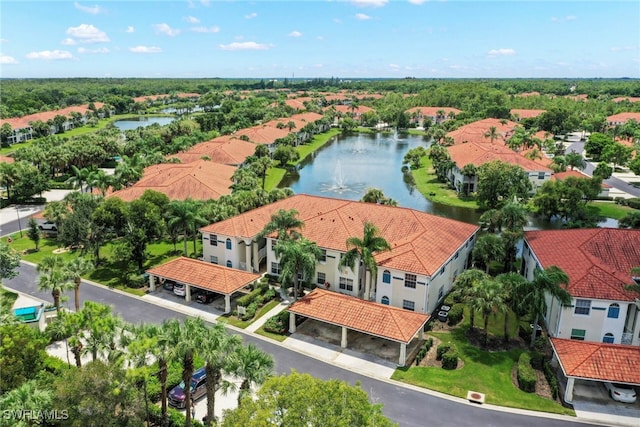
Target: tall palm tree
373, 195
363, 250
102, 328
492, 134
552, 281
488, 248
29, 396
466, 287
183, 214
74, 270
285, 223
56, 282
217, 349
488, 299
297, 258
253, 365
511, 283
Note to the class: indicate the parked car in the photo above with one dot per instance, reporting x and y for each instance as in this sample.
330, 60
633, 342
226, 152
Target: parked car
205, 297
624, 393
180, 289
198, 389
168, 285
49, 226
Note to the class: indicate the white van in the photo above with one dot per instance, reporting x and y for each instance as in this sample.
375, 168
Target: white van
180, 289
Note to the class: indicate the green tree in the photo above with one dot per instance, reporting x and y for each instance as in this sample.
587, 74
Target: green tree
500, 182
596, 144
603, 170
33, 232
285, 154
489, 298
183, 215
488, 248
466, 287
253, 366
362, 251
29, 396
634, 165
630, 220
575, 160
285, 224
260, 167
144, 224
22, 350
297, 259
9, 262
617, 153
414, 157
511, 283
74, 269
551, 281
52, 278
298, 400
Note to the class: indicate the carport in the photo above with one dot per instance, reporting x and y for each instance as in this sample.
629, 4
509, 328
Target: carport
598, 362
367, 317
203, 275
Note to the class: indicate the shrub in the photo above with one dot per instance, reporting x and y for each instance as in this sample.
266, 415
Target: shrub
450, 360
537, 359
246, 300
427, 345
54, 365
442, 349
278, 324
269, 295
526, 374
250, 311
175, 418
455, 314
551, 379
633, 203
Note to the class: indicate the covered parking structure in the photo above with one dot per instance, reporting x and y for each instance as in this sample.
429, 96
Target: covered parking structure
367, 317
597, 362
203, 275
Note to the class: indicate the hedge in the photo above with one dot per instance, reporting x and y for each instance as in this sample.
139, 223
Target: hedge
537, 359
526, 374
278, 324
175, 418
250, 311
424, 350
551, 379
442, 349
450, 360
455, 314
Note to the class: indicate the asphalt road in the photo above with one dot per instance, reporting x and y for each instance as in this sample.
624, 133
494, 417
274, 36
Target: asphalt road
405, 406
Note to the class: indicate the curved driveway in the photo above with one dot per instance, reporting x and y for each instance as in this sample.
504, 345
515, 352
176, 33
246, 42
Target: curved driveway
406, 405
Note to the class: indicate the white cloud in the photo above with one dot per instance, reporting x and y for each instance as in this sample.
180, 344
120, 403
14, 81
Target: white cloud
564, 18
251, 15
501, 52
244, 46
205, 2
6, 59
320, 38
295, 34
622, 48
68, 42
206, 30
166, 29
145, 49
191, 19
98, 50
418, 1
92, 10
50, 55
369, 3
4, 40
362, 17
87, 33
394, 66
130, 29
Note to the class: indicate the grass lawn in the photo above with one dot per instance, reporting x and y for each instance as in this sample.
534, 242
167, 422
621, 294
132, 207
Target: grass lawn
438, 192
270, 335
483, 371
610, 209
274, 176
317, 142
242, 324
8, 298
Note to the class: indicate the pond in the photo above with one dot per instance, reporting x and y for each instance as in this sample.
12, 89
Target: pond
134, 123
347, 166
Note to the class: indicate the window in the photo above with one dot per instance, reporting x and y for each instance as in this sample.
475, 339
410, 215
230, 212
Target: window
323, 255
408, 305
213, 239
578, 334
213, 259
386, 276
275, 268
321, 278
583, 306
440, 292
608, 338
346, 284
229, 264
614, 311
540, 175
228, 243
456, 255
385, 300
442, 270
410, 281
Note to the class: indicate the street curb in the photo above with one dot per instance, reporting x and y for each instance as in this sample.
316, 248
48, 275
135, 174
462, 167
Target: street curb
190, 312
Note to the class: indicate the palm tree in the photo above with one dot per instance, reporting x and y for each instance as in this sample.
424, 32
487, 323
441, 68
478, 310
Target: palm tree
285, 223
534, 293
364, 250
466, 287
69, 326
373, 195
79, 176
184, 215
297, 258
511, 283
492, 134
488, 247
217, 348
29, 396
489, 298
253, 365
56, 282
103, 328
74, 270
575, 160
260, 167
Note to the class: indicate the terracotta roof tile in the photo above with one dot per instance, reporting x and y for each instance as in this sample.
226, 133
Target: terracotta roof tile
626, 98
365, 316
360, 109
598, 361
433, 111
559, 176
598, 261
421, 242
199, 180
263, 134
226, 149
204, 275
6, 159
526, 114
481, 153
23, 122
623, 117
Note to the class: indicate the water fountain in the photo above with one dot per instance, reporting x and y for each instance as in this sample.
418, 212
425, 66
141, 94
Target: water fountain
339, 184
338, 177
358, 147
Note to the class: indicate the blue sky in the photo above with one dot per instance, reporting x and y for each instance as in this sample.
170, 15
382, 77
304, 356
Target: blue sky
346, 39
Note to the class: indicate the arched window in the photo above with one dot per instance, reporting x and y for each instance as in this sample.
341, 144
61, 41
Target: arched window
229, 264
385, 300
614, 311
608, 338
386, 276
228, 243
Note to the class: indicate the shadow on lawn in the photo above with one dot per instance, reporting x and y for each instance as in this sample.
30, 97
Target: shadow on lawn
490, 356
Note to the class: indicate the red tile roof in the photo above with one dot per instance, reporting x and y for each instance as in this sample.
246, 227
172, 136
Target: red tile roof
626, 98
598, 261
559, 176
526, 114
23, 122
421, 243
226, 150
433, 111
623, 117
368, 317
299, 120
527, 94
262, 134
481, 153
474, 132
204, 275
6, 159
360, 109
199, 180
598, 361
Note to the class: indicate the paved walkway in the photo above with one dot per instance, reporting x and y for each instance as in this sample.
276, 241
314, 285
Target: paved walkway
263, 319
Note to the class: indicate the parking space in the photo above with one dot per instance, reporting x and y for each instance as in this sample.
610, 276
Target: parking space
592, 402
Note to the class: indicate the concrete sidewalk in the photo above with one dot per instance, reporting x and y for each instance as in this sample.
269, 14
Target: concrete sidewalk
268, 315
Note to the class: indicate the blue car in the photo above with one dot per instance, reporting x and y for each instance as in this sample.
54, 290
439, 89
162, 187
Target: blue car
198, 389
